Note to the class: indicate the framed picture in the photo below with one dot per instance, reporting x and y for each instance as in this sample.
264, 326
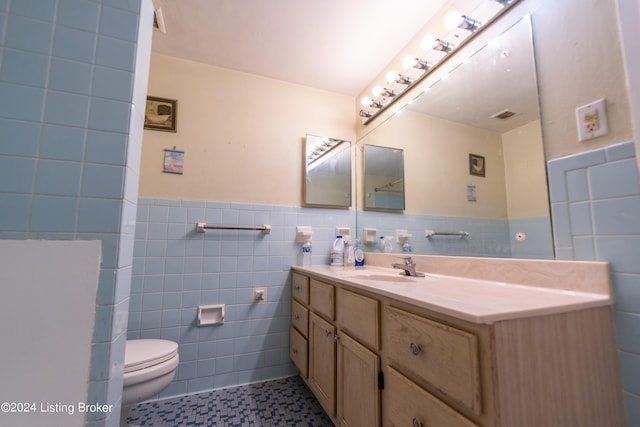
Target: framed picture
160, 114
476, 165
173, 161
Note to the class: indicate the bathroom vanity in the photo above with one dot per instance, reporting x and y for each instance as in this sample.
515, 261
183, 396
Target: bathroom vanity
501, 343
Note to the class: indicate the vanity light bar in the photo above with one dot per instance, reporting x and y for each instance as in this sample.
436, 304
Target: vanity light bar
403, 83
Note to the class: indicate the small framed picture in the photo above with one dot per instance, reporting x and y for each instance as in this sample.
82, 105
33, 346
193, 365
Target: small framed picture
160, 114
173, 161
476, 165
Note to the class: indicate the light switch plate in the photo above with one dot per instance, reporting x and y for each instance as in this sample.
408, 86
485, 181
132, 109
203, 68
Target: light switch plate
592, 120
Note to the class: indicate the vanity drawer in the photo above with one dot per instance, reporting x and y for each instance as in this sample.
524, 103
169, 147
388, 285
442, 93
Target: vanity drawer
359, 315
322, 297
300, 318
298, 350
406, 404
439, 354
300, 288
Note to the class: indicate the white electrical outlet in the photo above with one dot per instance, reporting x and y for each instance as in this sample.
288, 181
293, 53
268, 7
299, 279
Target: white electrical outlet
259, 295
592, 120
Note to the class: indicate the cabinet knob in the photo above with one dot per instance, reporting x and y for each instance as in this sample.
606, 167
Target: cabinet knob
414, 349
296, 287
327, 333
296, 316
294, 350
416, 423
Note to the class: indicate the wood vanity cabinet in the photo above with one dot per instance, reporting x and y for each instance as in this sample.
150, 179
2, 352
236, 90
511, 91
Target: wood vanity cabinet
375, 361
343, 371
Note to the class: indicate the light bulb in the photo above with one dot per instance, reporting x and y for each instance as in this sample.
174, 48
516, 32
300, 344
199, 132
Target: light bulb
428, 42
365, 101
377, 90
452, 20
391, 76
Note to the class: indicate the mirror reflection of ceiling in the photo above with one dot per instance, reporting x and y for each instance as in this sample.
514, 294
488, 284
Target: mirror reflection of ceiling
287, 39
504, 64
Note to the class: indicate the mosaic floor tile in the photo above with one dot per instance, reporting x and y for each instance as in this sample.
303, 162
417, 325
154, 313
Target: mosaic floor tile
279, 403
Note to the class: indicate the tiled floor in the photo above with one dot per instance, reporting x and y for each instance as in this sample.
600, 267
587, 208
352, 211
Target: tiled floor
278, 403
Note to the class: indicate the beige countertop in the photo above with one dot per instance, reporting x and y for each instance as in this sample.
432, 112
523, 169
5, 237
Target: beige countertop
471, 299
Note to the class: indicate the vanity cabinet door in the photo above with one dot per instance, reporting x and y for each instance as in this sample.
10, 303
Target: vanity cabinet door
438, 354
300, 288
300, 318
322, 298
406, 404
322, 362
358, 393
298, 351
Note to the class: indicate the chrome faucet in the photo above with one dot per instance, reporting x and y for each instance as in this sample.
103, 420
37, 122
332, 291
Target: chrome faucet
408, 266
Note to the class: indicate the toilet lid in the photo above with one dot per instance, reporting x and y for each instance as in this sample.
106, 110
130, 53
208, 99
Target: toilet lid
141, 354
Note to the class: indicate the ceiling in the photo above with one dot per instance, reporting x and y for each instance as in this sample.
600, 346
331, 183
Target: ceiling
334, 45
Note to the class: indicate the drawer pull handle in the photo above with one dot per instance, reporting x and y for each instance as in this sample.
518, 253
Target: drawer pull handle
414, 349
294, 351
296, 287
416, 423
296, 316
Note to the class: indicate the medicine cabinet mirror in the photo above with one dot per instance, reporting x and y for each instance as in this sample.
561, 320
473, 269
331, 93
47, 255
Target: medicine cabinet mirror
327, 172
383, 178
487, 106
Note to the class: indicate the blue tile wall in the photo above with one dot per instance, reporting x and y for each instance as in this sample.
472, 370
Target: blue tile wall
595, 200
175, 269
487, 237
67, 69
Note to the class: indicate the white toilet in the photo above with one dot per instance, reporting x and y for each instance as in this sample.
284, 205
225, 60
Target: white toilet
149, 367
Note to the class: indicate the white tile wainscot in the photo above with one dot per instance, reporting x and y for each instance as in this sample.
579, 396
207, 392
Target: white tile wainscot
477, 342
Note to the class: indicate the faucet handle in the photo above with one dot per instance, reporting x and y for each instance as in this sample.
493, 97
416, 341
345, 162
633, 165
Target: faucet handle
407, 260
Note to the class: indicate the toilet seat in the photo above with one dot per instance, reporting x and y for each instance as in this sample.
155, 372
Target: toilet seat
144, 353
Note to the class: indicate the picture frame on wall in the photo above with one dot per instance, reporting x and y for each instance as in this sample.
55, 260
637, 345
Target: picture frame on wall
173, 161
477, 165
161, 114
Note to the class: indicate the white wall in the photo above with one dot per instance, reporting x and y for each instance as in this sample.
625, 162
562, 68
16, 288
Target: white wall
47, 311
525, 172
243, 135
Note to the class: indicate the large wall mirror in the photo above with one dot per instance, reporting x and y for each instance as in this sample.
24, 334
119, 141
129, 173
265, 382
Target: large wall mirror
485, 106
327, 172
383, 172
